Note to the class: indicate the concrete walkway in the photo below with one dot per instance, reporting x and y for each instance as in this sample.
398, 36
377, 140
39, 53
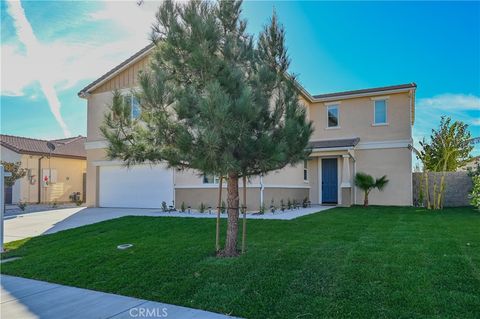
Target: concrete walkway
47, 222
25, 298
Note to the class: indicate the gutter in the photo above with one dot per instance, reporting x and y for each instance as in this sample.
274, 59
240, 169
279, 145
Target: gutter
39, 178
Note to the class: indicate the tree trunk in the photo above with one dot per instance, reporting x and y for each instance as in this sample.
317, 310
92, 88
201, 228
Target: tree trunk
217, 234
244, 228
365, 201
232, 225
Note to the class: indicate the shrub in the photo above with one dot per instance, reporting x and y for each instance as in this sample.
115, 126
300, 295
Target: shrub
182, 207
202, 207
261, 210
22, 205
305, 202
282, 205
272, 206
223, 208
475, 193
164, 206
289, 204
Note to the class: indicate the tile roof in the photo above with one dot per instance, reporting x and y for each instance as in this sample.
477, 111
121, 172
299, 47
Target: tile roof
363, 91
349, 142
72, 147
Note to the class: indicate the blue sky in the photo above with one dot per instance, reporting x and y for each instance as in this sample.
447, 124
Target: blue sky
334, 46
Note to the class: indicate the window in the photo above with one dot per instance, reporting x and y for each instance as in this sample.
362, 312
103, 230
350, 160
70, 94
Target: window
305, 170
380, 112
135, 109
332, 113
210, 179
49, 176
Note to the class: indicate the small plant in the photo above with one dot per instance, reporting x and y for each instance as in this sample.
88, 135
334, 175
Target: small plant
295, 204
261, 210
182, 207
282, 205
201, 209
78, 202
366, 183
22, 205
54, 205
289, 204
272, 206
223, 208
475, 193
305, 202
164, 206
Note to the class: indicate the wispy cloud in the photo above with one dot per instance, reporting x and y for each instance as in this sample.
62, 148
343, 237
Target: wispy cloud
35, 53
451, 102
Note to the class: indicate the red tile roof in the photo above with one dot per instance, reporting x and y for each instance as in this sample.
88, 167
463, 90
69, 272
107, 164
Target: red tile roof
72, 147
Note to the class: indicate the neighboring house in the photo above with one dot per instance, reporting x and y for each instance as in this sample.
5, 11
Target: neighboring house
51, 176
365, 130
471, 165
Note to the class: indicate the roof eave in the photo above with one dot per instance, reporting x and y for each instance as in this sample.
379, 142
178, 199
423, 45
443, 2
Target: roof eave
367, 94
85, 92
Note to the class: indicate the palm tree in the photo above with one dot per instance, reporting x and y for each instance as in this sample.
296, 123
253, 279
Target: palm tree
367, 183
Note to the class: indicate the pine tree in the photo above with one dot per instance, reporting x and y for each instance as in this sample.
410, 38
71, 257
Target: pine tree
213, 100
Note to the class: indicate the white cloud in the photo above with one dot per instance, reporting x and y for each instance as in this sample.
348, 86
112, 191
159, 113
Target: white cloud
451, 102
34, 52
61, 63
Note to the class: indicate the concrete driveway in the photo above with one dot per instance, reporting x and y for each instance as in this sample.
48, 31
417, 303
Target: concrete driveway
48, 222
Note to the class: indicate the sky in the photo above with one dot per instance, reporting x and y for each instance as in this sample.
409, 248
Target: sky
50, 50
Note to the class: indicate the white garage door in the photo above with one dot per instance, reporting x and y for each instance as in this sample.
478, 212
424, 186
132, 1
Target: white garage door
141, 186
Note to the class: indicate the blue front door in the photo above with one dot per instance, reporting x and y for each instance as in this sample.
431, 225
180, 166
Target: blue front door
329, 181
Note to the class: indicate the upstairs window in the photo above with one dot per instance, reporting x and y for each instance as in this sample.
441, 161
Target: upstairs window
210, 179
135, 109
380, 112
305, 170
332, 114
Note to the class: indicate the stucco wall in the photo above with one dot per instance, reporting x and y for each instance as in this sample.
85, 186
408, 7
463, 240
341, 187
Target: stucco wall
356, 119
97, 106
92, 175
457, 187
69, 178
396, 163
12, 157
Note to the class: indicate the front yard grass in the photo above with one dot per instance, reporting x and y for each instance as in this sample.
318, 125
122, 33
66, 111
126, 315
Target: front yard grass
345, 262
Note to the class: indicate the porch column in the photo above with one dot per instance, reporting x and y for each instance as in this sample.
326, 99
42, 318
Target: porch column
346, 185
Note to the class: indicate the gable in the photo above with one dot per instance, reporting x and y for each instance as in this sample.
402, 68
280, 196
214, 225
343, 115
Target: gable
126, 78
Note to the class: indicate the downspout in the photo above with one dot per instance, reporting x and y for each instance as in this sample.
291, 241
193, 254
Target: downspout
353, 175
39, 179
262, 188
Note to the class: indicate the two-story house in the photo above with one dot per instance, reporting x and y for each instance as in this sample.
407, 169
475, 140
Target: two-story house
366, 130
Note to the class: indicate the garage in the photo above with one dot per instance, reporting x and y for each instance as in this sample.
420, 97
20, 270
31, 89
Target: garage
140, 186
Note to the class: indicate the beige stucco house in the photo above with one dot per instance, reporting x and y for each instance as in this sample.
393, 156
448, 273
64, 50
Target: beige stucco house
52, 176
366, 130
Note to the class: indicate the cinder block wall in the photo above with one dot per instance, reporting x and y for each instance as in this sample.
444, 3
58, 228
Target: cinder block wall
457, 187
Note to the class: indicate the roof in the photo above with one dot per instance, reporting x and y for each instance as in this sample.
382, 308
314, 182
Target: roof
366, 91
72, 147
116, 69
348, 142
345, 94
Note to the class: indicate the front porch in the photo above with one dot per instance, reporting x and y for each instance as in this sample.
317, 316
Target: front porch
331, 169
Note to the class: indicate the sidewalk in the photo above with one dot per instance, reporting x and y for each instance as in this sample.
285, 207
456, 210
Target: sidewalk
25, 298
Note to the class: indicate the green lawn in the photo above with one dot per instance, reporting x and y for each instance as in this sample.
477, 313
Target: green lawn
346, 262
